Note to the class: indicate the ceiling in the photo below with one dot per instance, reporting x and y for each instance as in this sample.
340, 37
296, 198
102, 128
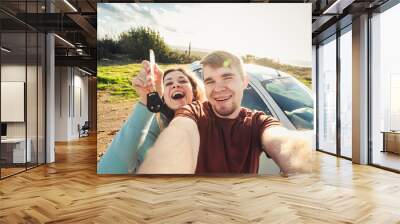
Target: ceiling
329, 16
76, 22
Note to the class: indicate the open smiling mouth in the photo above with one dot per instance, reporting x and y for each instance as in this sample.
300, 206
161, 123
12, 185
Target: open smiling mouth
178, 95
222, 99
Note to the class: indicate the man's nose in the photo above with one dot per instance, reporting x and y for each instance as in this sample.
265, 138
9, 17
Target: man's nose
219, 86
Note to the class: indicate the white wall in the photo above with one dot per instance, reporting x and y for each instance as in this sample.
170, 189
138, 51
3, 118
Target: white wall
62, 80
70, 83
81, 94
85, 99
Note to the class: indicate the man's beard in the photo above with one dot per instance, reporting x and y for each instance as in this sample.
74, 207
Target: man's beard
225, 111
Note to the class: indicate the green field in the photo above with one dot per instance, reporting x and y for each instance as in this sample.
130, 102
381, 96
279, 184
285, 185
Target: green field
117, 79
302, 74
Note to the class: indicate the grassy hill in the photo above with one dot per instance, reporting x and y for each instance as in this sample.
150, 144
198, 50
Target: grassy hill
303, 74
116, 79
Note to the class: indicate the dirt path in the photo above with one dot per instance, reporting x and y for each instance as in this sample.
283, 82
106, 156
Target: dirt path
111, 115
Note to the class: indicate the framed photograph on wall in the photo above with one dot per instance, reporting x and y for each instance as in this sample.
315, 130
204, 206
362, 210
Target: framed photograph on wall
263, 57
12, 101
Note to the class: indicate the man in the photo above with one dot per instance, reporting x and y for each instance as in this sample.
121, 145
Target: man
219, 136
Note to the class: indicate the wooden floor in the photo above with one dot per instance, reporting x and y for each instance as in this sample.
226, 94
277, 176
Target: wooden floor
10, 171
70, 191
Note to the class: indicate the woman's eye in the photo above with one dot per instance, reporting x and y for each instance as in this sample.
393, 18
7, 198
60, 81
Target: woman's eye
168, 83
183, 81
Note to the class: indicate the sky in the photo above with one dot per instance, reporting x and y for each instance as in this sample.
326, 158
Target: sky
278, 31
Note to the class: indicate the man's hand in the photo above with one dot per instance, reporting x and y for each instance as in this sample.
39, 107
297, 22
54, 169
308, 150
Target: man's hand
175, 151
291, 150
143, 83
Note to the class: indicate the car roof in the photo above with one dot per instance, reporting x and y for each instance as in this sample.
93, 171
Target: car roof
261, 73
256, 72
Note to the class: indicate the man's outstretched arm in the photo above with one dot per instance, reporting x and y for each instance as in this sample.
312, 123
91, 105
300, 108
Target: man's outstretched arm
291, 150
175, 151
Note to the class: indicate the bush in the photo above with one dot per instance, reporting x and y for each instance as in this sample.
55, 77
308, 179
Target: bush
138, 41
136, 44
107, 47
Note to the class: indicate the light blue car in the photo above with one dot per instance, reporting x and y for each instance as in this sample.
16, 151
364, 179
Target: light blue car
277, 94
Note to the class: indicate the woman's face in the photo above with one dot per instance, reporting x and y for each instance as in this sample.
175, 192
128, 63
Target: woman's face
177, 90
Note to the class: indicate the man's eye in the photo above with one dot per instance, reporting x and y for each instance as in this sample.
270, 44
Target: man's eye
228, 78
208, 82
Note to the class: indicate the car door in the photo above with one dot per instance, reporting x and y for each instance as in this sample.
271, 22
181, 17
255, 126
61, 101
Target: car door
253, 101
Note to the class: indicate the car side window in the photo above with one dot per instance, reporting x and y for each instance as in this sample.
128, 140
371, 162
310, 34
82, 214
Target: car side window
253, 101
199, 74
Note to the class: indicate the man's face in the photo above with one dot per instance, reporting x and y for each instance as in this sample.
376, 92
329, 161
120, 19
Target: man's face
224, 90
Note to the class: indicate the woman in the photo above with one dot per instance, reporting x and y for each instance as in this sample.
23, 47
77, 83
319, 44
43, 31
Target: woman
142, 128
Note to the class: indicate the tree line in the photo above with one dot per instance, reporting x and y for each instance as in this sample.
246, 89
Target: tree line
136, 43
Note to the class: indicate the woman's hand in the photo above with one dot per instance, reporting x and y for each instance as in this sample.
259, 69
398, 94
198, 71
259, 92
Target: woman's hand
143, 83
158, 80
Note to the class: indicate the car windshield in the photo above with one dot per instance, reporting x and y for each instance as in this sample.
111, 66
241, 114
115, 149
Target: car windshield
253, 101
293, 99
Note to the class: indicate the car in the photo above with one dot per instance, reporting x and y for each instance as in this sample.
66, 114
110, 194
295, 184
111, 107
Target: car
278, 94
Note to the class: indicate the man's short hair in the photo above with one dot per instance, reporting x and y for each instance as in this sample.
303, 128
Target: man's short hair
219, 59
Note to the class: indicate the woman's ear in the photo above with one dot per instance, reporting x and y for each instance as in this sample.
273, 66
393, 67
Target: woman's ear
195, 94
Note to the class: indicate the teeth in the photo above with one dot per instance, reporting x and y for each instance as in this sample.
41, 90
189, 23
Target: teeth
222, 98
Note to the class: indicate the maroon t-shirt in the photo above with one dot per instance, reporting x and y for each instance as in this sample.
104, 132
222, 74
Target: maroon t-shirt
227, 145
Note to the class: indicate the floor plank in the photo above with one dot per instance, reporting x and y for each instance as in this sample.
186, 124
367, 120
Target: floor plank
70, 191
